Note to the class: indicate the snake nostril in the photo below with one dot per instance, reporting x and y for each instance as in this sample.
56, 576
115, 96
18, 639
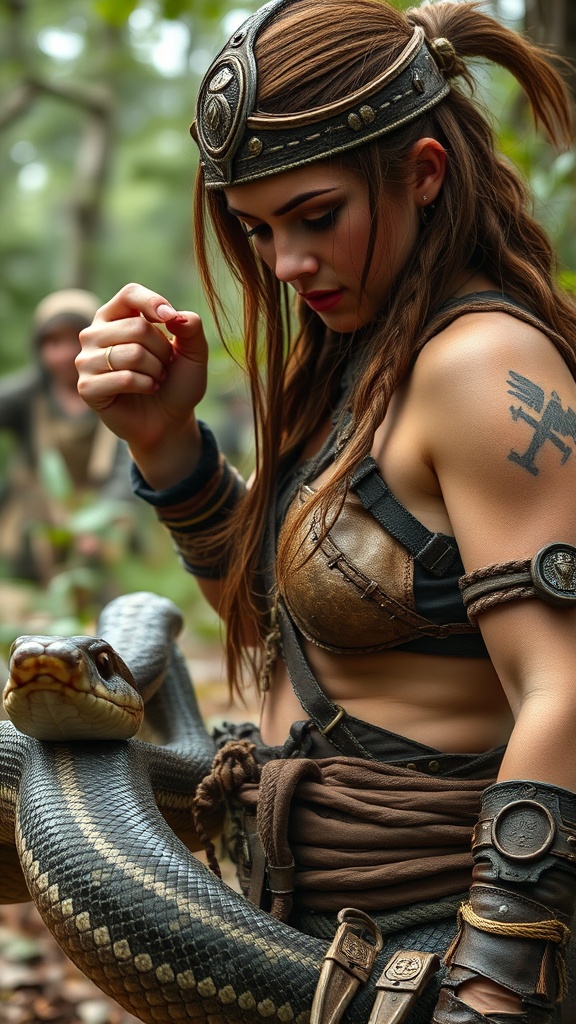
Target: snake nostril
104, 665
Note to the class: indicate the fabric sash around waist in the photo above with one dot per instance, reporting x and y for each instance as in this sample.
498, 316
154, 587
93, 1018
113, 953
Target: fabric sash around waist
378, 834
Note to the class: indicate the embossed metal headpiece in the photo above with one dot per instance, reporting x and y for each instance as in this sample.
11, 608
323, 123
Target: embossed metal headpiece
239, 144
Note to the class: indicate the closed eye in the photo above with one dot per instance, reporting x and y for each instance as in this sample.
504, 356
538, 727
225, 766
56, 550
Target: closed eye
324, 223
258, 231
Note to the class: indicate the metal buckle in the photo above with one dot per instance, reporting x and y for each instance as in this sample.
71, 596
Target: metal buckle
331, 725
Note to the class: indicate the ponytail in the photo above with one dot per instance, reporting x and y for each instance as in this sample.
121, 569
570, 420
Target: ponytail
473, 34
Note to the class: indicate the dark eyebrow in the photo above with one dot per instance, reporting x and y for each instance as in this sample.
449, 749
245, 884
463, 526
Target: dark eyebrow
303, 197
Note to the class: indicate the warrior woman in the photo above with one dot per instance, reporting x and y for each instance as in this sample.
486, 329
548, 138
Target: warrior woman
399, 575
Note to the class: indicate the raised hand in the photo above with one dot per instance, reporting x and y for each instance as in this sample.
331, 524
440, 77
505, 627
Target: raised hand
145, 383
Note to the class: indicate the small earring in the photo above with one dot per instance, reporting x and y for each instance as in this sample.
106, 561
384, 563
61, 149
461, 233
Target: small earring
426, 212
424, 198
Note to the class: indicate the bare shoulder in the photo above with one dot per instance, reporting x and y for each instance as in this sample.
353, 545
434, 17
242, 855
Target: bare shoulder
468, 373
481, 346
494, 401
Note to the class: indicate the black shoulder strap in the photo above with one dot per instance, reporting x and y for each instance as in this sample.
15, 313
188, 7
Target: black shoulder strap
433, 550
482, 302
328, 718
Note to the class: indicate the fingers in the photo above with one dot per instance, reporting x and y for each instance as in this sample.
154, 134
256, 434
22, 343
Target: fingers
138, 346
189, 340
134, 300
133, 313
135, 358
126, 351
109, 349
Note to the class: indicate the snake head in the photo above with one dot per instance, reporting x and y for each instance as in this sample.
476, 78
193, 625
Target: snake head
71, 688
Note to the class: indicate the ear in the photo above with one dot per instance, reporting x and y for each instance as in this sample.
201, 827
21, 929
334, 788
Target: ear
428, 159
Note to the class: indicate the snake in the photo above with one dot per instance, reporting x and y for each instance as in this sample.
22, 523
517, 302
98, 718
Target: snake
97, 831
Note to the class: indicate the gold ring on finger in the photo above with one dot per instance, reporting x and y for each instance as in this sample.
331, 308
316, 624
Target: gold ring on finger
107, 356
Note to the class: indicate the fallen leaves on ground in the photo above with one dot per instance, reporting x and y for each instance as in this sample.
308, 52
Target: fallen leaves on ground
38, 983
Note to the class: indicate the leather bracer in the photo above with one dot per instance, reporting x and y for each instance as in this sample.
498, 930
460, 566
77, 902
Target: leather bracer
515, 926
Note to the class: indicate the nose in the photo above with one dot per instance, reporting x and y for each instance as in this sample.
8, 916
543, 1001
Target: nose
293, 260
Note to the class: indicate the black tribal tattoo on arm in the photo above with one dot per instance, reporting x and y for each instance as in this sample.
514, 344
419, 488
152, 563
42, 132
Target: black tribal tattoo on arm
554, 422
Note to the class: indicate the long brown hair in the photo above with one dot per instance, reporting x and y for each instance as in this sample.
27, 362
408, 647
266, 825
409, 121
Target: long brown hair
312, 52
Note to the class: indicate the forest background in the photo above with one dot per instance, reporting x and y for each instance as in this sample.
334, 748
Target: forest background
96, 173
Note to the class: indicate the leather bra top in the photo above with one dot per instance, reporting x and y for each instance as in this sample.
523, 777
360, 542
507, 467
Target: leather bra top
361, 590
379, 579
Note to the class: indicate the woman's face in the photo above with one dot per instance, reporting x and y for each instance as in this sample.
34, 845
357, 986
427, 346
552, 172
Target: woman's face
311, 227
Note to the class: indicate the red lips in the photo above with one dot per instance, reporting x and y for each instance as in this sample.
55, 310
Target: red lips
321, 301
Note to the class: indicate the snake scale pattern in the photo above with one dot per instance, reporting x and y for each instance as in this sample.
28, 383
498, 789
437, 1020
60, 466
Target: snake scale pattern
89, 829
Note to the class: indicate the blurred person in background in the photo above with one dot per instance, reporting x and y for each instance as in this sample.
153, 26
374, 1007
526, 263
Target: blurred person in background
62, 456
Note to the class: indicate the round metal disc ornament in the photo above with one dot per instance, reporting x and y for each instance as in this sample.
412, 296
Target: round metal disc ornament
553, 572
523, 830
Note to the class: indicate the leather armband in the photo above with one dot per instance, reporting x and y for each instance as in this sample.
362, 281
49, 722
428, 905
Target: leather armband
522, 831
550, 575
515, 926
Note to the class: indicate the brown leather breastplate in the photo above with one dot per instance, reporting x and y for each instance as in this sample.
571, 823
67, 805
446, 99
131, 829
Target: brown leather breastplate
354, 591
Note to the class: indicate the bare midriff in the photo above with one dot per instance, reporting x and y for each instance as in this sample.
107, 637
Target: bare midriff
452, 704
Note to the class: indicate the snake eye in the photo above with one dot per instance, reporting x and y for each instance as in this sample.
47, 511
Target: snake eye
104, 665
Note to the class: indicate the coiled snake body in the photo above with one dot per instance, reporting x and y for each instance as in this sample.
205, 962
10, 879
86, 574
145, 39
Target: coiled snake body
94, 824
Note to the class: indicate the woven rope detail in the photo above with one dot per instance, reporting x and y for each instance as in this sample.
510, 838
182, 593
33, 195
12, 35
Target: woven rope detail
233, 765
550, 930
488, 571
514, 592
482, 604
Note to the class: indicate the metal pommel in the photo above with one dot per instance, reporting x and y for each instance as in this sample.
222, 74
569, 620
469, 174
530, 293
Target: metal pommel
347, 964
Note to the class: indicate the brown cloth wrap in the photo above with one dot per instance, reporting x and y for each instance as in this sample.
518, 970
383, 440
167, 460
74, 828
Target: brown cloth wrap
366, 834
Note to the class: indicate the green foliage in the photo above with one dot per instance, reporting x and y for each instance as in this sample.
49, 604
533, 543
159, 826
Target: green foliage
130, 552
142, 61
146, 58
567, 280
54, 475
115, 12
550, 176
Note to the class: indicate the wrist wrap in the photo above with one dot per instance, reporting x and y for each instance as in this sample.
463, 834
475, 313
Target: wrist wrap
516, 924
194, 510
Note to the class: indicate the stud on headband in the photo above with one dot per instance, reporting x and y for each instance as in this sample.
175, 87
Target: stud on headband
238, 144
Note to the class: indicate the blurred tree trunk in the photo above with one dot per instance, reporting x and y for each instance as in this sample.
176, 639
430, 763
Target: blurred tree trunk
84, 204
553, 23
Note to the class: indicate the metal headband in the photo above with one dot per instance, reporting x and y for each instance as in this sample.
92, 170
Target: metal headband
237, 144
